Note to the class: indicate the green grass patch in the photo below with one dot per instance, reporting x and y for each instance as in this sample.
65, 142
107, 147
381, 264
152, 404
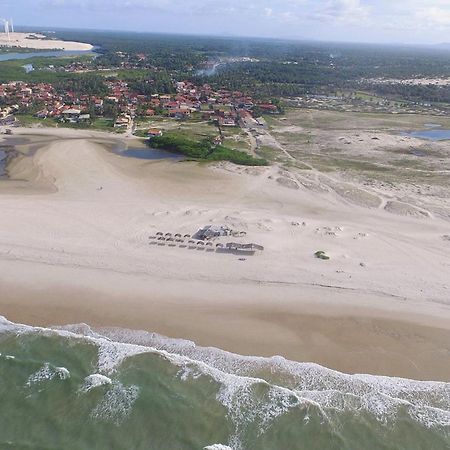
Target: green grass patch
270, 153
28, 120
13, 70
204, 150
103, 124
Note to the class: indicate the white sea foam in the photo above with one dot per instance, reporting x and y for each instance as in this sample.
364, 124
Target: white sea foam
116, 404
287, 384
217, 447
46, 373
93, 381
383, 397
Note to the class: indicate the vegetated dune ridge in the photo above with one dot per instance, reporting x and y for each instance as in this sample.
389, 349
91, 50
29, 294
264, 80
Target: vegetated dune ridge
40, 42
75, 226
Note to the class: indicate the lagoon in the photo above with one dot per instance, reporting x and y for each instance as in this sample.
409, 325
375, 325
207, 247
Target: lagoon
44, 54
430, 135
147, 153
2, 163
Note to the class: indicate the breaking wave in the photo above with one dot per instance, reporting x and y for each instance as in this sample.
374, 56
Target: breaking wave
256, 393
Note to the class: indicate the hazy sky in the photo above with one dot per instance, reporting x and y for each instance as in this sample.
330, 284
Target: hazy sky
410, 21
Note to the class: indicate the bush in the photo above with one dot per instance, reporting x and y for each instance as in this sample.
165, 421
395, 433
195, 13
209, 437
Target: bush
322, 255
204, 150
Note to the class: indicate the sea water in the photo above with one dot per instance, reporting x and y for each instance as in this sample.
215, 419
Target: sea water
80, 388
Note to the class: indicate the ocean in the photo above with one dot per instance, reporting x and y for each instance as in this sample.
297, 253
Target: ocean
81, 388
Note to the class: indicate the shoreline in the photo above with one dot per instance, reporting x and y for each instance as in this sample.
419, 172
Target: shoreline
71, 253
322, 326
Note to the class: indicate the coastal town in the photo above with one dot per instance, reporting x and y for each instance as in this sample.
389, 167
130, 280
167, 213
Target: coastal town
224, 225
123, 105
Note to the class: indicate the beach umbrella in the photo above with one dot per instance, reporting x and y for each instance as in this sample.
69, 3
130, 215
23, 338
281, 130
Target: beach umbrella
200, 243
168, 234
159, 233
178, 235
187, 236
219, 246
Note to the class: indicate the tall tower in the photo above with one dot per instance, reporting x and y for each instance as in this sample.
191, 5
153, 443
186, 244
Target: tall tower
6, 25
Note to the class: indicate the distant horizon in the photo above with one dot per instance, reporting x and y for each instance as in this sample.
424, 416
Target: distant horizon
50, 28
415, 22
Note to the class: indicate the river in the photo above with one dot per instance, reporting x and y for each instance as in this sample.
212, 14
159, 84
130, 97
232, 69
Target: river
43, 54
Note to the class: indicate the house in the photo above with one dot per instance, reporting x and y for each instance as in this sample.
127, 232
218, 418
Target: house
218, 140
122, 121
153, 132
84, 118
180, 113
42, 114
227, 122
268, 107
208, 115
5, 112
71, 115
213, 231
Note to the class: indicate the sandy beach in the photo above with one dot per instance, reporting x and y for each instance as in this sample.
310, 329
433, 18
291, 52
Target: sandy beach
75, 247
40, 42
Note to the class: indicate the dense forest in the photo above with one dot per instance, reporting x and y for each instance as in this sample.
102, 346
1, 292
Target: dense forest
279, 68
88, 84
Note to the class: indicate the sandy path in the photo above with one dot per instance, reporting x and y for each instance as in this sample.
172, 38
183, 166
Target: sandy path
77, 250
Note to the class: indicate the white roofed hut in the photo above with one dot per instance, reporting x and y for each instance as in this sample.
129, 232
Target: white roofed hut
244, 248
213, 231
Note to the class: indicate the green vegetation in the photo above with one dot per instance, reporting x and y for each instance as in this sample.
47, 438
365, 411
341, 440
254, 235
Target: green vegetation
88, 84
28, 120
204, 150
100, 124
270, 153
321, 255
103, 124
279, 68
13, 70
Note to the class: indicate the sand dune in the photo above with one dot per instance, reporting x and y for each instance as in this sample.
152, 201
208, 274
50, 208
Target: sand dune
74, 247
40, 42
